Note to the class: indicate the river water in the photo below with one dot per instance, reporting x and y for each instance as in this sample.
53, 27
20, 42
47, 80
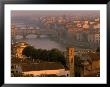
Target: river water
43, 42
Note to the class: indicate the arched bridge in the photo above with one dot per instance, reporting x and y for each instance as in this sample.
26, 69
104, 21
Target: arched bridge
38, 32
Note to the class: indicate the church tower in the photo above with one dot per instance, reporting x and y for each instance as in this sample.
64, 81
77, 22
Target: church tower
71, 61
13, 33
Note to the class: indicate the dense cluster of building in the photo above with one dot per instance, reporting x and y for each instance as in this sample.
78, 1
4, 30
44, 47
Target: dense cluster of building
71, 30
81, 63
72, 23
78, 28
74, 29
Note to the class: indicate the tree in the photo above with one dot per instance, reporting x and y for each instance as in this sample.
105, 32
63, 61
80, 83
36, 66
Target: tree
39, 53
28, 51
33, 54
44, 55
77, 65
56, 55
98, 49
53, 55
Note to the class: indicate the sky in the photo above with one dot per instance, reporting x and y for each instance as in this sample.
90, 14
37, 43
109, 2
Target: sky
36, 13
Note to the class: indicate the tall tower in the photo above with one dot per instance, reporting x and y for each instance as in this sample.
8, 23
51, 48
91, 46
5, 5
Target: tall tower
71, 60
13, 33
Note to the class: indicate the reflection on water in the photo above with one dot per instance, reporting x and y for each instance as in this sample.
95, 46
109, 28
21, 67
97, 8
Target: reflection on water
42, 42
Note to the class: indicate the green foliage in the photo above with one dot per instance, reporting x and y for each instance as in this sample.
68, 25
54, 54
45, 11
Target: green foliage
28, 51
98, 49
57, 56
77, 60
53, 55
77, 66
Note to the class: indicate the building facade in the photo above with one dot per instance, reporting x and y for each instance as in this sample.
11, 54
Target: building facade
17, 49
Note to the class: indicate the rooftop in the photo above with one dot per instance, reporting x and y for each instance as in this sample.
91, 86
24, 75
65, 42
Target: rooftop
90, 56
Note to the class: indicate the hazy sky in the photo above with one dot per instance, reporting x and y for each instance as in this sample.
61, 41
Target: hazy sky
15, 13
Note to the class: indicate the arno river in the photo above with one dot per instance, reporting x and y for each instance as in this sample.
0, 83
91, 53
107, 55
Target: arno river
43, 42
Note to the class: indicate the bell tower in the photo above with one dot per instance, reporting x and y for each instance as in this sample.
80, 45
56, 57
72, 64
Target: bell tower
13, 33
71, 61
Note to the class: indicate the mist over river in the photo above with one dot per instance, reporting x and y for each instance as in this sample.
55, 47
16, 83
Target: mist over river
43, 42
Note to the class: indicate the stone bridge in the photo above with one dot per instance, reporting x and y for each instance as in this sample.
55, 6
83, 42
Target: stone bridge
38, 32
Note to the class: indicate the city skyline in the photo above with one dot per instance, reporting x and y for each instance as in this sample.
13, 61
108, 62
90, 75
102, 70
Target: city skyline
55, 13
68, 47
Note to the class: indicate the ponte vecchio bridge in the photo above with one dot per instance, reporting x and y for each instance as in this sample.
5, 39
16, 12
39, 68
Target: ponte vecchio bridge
38, 32
57, 34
